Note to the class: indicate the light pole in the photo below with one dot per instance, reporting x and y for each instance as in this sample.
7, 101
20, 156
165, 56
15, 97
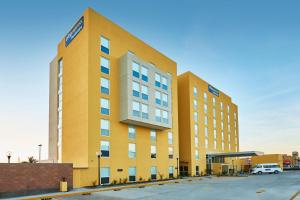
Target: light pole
40, 150
8, 154
99, 156
177, 166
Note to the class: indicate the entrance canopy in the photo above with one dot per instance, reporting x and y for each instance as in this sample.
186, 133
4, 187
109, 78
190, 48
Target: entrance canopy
235, 154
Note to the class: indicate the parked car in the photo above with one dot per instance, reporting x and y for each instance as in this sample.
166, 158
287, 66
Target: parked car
266, 168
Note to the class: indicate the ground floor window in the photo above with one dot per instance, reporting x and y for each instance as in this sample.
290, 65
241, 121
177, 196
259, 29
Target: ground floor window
153, 172
197, 171
132, 173
104, 172
171, 172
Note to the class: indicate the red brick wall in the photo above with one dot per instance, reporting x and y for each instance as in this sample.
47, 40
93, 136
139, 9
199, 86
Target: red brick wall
25, 178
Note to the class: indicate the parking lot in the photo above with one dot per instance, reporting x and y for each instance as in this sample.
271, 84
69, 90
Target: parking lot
268, 186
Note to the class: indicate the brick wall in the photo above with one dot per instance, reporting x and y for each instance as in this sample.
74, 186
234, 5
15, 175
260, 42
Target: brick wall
24, 178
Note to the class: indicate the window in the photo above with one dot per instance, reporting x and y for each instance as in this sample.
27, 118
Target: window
153, 151
196, 129
157, 115
228, 127
104, 148
214, 113
145, 114
222, 125
195, 92
222, 136
104, 45
104, 123
222, 116
228, 118
197, 154
222, 145
104, 85
206, 131
59, 101
229, 138
60, 67
164, 100
157, 80
165, 117
228, 108
195, 117
205, 96
104, 171
136, 109
234, 116
170, 138
164, 83
59, 84
171, 172
132, 174
205, 108
145, 92
215, 144
197, 170
221, 105
215, 134
104, 62
131, 132
152, 136
229, 146
131, 150
157, 97
206, 120
153, 172
135, 70
196, 142
206, 143
214, 101
144, 74
131, 53
215, 123
104, 106
135, 89
60, 119
171, 153
195, 104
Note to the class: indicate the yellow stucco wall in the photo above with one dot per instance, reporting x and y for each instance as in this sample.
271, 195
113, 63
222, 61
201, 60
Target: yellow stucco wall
186, 82
81, 105
268, 158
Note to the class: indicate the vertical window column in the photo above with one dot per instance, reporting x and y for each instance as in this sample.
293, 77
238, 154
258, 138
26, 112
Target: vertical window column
59, 110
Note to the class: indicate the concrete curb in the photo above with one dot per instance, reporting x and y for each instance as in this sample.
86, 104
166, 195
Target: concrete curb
141, 185
295, 195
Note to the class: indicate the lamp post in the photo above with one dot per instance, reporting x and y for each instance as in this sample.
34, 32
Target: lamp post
40, 150
177, 166
99, 156
8, 154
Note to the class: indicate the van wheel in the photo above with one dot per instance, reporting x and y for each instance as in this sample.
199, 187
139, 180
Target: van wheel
259, 173
276, 172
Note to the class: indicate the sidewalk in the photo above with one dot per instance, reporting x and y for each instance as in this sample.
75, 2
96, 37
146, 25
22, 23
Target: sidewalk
80, 191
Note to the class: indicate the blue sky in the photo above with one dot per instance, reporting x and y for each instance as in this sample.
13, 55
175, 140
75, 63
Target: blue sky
248, 49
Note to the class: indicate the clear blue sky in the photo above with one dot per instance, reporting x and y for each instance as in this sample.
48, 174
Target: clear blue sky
248, 49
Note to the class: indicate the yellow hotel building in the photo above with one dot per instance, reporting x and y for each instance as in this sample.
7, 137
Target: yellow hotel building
120, 113
113, 96
208, 125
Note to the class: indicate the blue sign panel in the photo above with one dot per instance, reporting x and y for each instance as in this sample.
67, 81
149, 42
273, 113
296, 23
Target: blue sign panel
74, 31
213, 90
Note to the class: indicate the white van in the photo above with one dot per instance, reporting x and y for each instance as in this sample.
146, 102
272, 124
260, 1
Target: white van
266, 168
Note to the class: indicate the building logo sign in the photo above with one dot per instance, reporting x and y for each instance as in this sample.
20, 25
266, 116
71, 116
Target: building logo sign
74, 31
213, 90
